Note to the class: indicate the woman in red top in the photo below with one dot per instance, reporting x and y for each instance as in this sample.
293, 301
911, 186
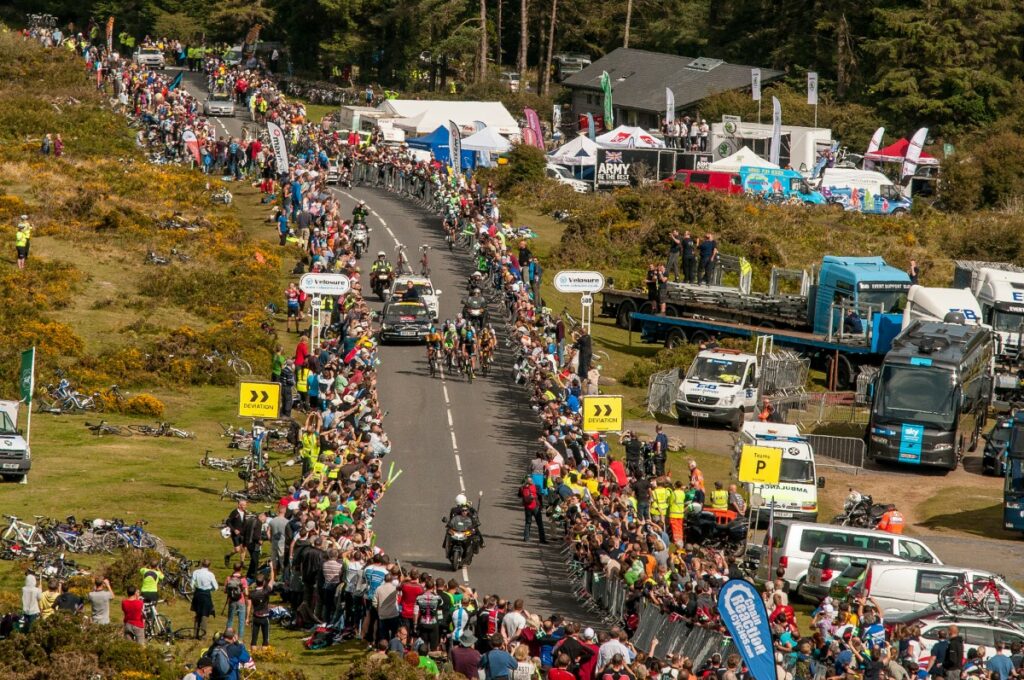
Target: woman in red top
134, 625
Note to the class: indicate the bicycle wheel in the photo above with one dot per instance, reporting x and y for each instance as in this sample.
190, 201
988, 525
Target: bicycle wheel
146, 430
998, 602
119, 431
241, 367
111, 541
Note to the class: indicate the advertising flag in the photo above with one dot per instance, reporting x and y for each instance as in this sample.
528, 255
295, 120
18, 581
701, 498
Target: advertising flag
755, 83
590, 126
192, 144
536, 136
670, 105
176, 82
556, 118
280, 148
110, 34
743, 613
606, 88
874, 145
812, 88
913, 153
454, 146
773, 154
27, 375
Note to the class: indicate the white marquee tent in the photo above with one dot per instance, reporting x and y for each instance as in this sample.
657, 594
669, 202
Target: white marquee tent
421, 117
626, 136
487, 139
580, 151
742, 158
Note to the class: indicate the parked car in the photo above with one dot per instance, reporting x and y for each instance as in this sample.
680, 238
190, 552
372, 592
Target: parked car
795, 543
562, 175
910, 587
828, 563
511, 80
149, 56
993, 458
931, 620
843, 582
219, 104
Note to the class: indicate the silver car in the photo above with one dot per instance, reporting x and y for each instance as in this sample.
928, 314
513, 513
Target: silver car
150, 56
219, 104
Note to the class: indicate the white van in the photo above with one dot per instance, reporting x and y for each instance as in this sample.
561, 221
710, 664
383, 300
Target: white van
794, 544
863, 191
562, 175
796, 494
933, 304
720, 386
910, 587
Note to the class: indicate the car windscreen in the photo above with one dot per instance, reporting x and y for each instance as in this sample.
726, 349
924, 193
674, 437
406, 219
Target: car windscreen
6, 425
796, 471
708, 369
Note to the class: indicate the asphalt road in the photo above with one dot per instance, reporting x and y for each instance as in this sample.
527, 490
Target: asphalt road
448, 436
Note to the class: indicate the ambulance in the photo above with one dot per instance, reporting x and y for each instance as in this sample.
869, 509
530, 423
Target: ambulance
795, 496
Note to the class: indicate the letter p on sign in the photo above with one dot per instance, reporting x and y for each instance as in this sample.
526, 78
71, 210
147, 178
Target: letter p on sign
760, 464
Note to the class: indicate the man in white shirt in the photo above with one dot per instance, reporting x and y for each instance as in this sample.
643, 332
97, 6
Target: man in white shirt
514, 621
611, 647
204, 583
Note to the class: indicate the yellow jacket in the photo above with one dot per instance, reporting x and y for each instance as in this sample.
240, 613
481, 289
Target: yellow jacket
677, 504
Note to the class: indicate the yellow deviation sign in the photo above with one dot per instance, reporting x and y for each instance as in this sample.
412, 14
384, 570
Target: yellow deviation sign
760, 464
259, 399
602, 414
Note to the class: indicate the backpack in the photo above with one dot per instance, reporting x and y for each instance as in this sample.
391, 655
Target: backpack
322, 637
233, 588
528, 492
221, 662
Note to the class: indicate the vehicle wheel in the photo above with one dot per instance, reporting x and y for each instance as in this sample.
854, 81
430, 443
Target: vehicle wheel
698, 337
13, 478
622, 319
795, 592
737, 420
675, 338
648, 308
846, 376
456, 557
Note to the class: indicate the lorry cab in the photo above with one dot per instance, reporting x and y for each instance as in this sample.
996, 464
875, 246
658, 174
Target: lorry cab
865, 191
933, 304
866, 285
779, 181
1000, 294
796, 494
720, 386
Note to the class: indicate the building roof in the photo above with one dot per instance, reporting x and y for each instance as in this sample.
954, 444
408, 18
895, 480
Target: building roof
424, 116
639, 78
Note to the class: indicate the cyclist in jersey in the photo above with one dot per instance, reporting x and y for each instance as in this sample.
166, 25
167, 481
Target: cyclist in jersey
434, 340
488, 342
469, 345
450, 340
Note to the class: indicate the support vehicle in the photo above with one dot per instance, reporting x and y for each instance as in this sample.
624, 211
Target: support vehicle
1013, 485
866, 191
931, 396
781, 183
720, 386
846, 319
796, 494
933, 304
15, 456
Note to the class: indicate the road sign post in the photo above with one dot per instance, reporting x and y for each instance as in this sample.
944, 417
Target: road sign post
602, 413
584, 282
318, 285
257, 399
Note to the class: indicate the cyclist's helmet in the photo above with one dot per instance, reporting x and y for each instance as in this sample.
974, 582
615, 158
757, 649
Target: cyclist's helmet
461, 500
381, 253
476, 291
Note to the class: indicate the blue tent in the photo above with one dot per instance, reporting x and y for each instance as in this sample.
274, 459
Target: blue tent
437, 143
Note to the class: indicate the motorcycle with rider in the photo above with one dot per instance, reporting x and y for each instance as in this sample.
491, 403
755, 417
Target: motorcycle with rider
462, 536
381, 275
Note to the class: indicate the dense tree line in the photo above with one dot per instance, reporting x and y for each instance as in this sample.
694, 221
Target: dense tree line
949, 64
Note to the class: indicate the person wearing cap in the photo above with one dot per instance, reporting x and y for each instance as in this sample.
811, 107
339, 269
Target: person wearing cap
203, 670
465, 658
22, 237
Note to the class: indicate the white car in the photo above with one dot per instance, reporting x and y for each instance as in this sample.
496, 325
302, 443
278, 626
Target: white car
975, 633
427, 293
149, 56
562, 175
219, 104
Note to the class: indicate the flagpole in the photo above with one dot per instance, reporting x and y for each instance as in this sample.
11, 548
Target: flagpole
758, 111
815, 115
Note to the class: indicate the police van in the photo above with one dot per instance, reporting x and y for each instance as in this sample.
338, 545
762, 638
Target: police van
796, 494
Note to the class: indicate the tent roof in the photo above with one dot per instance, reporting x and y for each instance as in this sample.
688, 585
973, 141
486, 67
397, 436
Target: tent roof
628, 136
579, 151
436, 138
897, 151
422, 116
487, 139
742, 158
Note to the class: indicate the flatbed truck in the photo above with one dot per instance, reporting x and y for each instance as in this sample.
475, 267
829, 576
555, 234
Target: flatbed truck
819, 323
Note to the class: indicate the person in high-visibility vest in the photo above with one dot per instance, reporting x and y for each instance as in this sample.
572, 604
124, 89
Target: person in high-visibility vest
660, 496
21, 240
892, 521
677, 511
719, 497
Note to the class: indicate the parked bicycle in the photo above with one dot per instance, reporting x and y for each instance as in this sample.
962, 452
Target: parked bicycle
103, 427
